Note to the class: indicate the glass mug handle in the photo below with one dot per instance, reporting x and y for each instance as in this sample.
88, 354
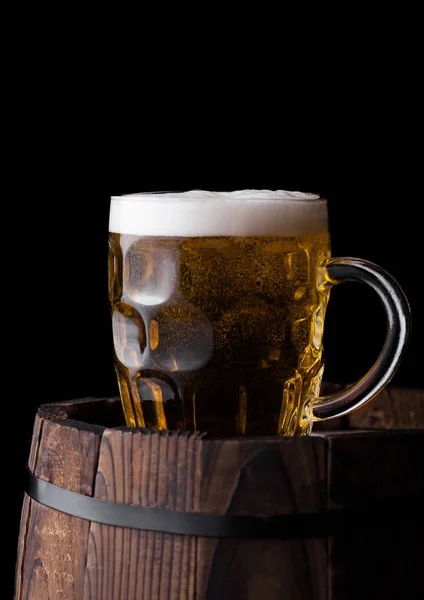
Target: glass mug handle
396, 306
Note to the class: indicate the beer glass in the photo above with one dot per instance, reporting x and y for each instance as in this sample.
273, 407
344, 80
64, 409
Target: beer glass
218, 303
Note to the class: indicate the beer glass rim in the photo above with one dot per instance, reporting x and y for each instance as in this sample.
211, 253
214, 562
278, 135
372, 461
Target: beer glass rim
205, 213
233, 195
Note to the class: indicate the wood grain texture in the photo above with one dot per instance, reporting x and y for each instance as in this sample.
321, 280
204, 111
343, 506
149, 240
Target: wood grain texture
263, 477
20, 574
393, 408
52, 545
146, 469
60, 556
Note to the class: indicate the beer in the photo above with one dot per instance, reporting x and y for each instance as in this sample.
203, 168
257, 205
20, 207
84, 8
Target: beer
218, 305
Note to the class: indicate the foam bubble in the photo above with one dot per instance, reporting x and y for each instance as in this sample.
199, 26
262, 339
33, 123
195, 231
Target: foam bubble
207, 213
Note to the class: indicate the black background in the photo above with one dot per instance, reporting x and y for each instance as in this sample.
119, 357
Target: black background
84, 126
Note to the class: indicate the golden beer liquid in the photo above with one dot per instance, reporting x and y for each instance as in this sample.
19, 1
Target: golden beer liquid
218, 334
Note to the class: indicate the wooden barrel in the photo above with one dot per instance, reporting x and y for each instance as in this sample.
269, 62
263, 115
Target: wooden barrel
334, 515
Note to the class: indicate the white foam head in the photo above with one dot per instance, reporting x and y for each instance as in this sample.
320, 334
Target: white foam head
206, 213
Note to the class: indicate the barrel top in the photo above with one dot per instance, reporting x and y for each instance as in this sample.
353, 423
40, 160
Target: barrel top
393, 409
